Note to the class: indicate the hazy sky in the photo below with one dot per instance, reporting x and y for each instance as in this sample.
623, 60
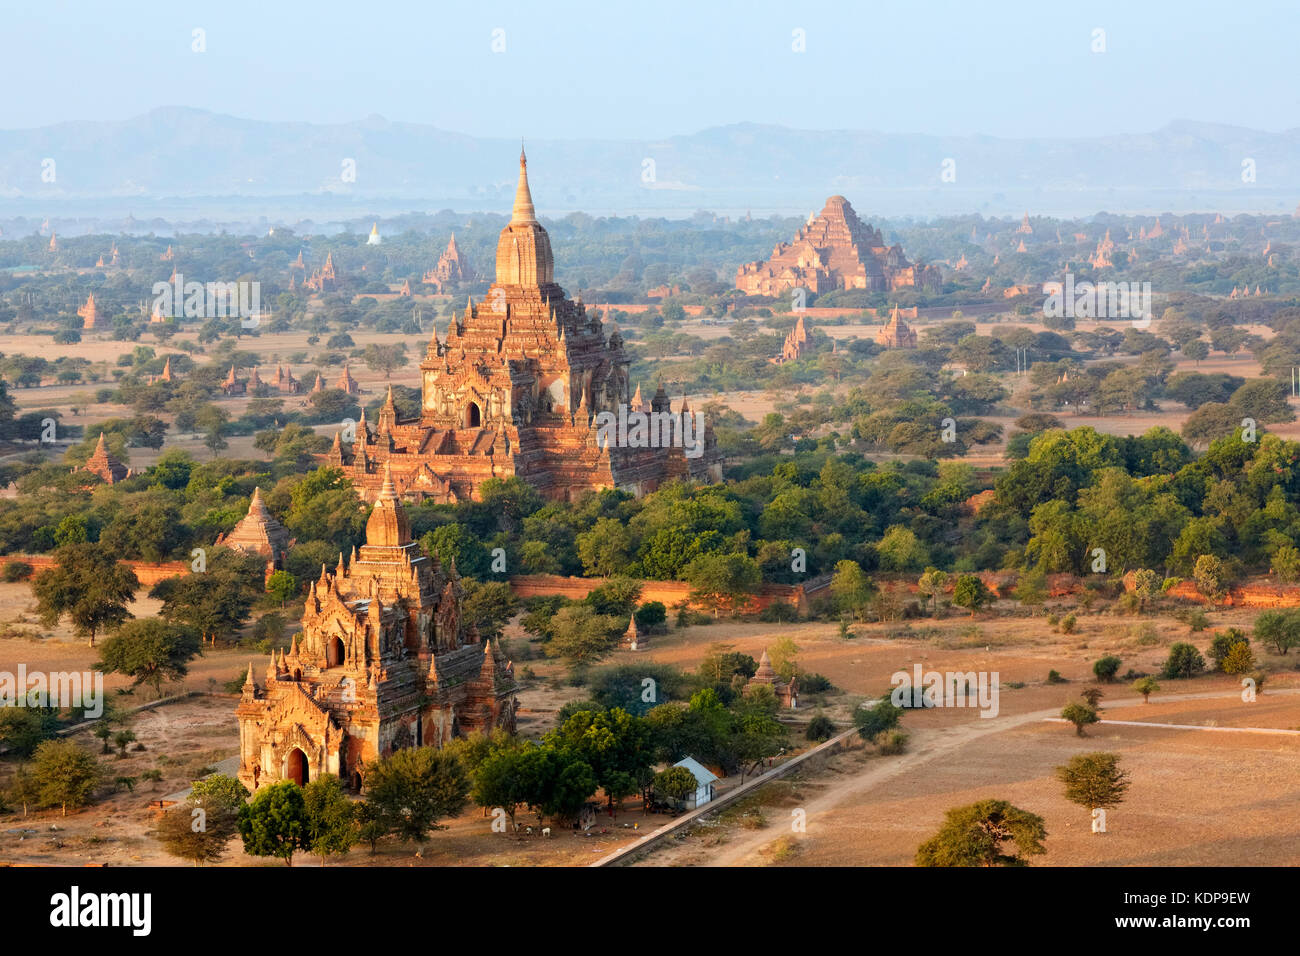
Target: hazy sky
653, 69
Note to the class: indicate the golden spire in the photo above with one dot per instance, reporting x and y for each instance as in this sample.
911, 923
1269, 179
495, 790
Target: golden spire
523, 210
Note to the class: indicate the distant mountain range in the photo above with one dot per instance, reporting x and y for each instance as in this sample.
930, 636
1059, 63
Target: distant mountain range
220, 163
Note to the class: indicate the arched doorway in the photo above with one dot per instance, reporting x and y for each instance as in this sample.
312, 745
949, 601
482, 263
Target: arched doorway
473, 415
295, 768
336, 652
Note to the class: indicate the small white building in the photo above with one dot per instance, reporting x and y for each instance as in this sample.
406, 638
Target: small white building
704, 780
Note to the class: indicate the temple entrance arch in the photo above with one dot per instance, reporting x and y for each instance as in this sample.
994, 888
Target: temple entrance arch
473, 415
336, 653
295, 767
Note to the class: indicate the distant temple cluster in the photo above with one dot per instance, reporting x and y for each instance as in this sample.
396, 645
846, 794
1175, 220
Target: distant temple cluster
515, 391
284, 382
386, 661
835, 250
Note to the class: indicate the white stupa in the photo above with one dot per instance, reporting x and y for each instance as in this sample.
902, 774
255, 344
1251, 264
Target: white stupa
374, 239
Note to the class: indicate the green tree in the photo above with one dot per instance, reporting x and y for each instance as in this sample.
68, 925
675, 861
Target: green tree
851, 588
488, 606
200, 829
414, 788
930, 585
1080, 715
1146, 686
64, 775
274, 822
972, 593
1184, 661
675, 782
1279, 630
331, 824
1105, 668
216, 603
282, 586
149, 652
725, 581
1094, 780
975, 836
88, 585
1239, 659
580, 636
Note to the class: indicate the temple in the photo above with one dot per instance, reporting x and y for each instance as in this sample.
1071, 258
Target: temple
385, 661
452, 269
835, 250
258, 532
787, 694
102, 463
897, 334
796, 341
514, 391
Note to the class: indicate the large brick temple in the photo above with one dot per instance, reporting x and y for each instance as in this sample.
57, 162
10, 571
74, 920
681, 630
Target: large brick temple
385, 661
514, 391
835, 250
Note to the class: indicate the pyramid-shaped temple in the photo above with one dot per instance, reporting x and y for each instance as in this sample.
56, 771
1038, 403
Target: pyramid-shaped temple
515, 391
385, 661
835, 250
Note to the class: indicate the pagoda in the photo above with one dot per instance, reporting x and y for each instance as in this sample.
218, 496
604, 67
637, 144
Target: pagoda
514, 391
897, 334
452, 269
89, 313
787, 694
102, 463
385, 661
795, 341
258, 532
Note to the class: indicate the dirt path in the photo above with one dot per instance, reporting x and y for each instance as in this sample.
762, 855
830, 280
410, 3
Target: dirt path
743, 848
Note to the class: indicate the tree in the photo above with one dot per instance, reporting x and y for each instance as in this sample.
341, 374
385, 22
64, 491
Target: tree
725, 581
1106, 667
384, 358
1279, 630
1286, 564
1184, 661
1210, 576
851, 588
371, 824
580, 636
1094, 780
149, 652
613, 743
274, 822
873, 721
331, 827
501, 781
784, 657
820, 729
1146, 586
282, 586
200, 828
1146, 686
900, 550
1080, 715
676, 782
414, 788
216, 602
974, 836
930, 585
971, 592
88, 585
1239, 659
488, 606
64, 775
1196, 350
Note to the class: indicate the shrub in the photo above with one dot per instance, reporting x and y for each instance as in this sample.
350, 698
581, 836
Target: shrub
1146, 686
1080, 715
814, 683
1222, 643
16, 571
891, 742
1184, 661
1106, 668
1054, 677
871, 721
1239, 659
1068, 624
820, 728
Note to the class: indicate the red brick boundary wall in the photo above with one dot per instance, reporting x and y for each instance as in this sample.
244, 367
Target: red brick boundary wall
671, 593
148, 572
1247, 595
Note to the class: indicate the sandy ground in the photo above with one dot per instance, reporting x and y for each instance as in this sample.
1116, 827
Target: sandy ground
1197, 796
